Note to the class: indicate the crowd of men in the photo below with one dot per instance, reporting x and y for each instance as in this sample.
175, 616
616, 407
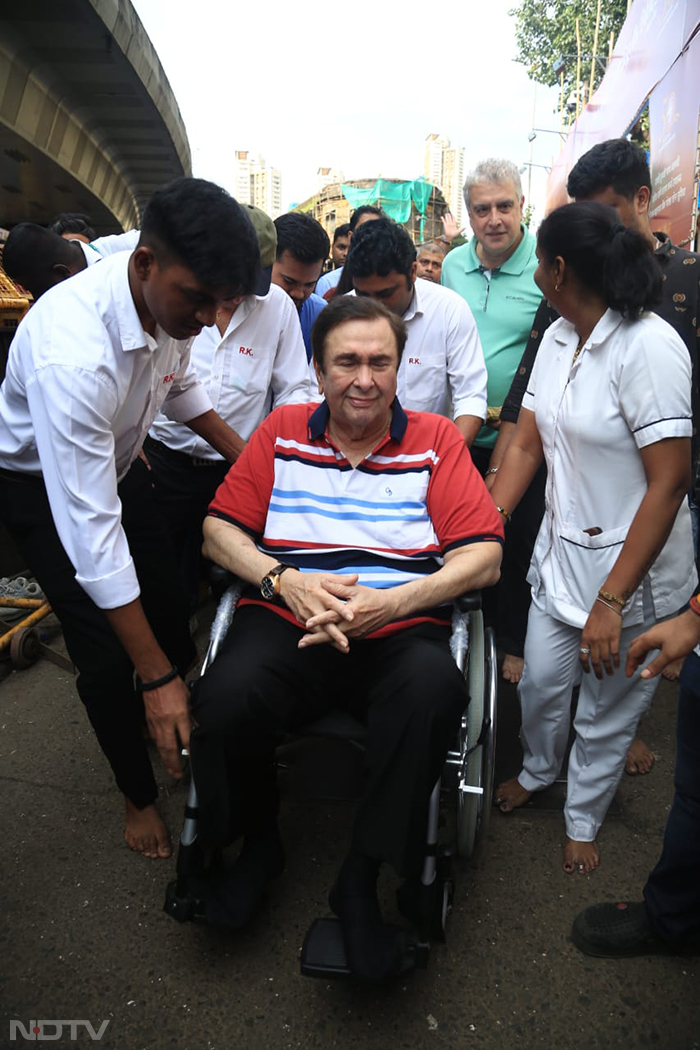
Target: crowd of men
212, 338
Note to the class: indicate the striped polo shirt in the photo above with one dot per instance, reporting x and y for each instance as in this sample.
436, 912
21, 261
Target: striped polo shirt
390, 519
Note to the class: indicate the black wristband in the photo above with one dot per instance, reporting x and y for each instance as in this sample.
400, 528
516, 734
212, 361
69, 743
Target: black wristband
158, 682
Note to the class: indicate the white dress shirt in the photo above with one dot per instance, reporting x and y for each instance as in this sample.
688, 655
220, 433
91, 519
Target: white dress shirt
629, 388
102, 247
442, 369
258, 364
83, 385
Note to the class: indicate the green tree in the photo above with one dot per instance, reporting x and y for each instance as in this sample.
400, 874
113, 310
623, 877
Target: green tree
545, 31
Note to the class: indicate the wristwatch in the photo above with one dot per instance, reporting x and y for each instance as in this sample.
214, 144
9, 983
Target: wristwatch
270, 583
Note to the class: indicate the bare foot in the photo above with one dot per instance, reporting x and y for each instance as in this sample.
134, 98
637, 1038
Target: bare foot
672, 671
510, 795
145, 832
512, 668
639, 758
582, 857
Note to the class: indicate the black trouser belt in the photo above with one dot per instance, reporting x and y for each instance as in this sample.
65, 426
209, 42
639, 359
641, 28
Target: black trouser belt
19, 475
182, 458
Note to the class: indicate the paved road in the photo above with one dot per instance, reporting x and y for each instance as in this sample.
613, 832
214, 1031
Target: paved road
85, 936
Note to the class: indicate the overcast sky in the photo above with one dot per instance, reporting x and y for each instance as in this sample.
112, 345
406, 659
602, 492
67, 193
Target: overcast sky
350, 86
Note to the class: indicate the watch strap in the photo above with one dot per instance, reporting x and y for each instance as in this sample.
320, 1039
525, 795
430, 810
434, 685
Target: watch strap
277, 572
274, 575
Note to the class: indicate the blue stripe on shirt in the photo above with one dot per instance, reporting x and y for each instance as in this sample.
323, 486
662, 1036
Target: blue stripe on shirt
307, 509
343, 500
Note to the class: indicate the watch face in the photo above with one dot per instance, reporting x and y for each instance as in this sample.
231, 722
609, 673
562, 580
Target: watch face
267, 587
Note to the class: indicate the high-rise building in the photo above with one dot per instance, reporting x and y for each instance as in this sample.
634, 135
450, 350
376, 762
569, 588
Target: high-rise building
328, 177
257, 184
453, 180
432, 161
443, 165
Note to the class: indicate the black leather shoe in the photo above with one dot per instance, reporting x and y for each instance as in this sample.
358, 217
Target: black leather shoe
619, 931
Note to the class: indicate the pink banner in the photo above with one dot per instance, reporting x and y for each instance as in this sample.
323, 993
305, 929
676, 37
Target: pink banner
653, 36
673, 125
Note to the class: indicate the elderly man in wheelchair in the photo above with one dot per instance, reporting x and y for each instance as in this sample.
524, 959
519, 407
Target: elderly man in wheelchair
353, 525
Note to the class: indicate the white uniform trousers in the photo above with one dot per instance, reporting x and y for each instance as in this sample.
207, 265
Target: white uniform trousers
606, 718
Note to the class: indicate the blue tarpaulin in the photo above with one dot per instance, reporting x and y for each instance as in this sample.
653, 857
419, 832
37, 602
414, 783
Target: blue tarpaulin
394, 198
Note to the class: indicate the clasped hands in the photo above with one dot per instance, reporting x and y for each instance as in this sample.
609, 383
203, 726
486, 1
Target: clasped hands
334, 608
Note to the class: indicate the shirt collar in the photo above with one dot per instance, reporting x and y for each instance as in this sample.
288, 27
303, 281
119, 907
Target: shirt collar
415, 307
91, 253
607, 324
318, 421
243, 310
132, 335
517, 262
666, 243
399, 422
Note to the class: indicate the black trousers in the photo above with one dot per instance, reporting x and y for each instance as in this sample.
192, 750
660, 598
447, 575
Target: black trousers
405, 687
183, 491
672, 892
506, 606
105, 674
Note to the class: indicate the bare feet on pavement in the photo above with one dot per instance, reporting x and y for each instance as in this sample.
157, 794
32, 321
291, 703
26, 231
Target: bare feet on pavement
145, 832
510, 795
581, 857
672, 671
639, 758
512, 668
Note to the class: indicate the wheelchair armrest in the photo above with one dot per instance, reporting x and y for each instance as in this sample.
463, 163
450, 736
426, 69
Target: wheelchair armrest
469, 602
220, 579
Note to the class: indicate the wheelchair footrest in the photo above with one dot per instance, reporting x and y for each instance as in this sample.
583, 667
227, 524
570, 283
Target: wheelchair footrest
323, 952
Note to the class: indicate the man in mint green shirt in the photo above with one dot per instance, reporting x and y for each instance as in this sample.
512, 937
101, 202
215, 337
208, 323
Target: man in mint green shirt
494, 273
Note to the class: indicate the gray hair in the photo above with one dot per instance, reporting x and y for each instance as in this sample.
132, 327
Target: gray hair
494, 169
430, 246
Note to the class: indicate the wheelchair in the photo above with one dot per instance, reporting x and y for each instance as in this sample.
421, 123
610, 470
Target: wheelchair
468, 774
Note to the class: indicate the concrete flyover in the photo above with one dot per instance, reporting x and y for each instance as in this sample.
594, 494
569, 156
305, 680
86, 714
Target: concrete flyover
88, 121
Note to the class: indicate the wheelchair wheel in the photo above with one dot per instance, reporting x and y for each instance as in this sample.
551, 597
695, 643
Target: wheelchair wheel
478, 740
443, 898
25, 648
428, 908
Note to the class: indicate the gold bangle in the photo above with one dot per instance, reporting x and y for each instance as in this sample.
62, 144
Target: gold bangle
504, 512
612, 598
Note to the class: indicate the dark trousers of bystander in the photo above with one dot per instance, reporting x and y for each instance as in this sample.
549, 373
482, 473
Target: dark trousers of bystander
672, 892
105, 674
184, 488
506, 605
406, 687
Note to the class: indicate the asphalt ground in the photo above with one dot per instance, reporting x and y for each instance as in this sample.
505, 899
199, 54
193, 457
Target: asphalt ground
85, 937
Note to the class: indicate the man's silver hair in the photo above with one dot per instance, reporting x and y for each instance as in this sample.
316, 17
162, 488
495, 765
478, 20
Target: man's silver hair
494, 169
430, 246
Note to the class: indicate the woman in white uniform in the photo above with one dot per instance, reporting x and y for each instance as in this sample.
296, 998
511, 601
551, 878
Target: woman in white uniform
608, 408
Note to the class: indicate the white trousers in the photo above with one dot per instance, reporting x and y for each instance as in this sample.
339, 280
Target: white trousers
605, 722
